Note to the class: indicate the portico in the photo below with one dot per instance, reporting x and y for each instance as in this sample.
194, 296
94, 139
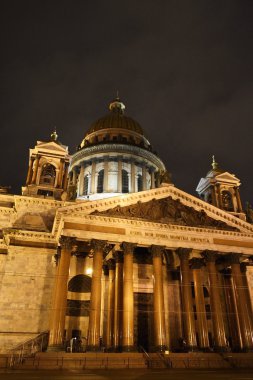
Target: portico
135, 251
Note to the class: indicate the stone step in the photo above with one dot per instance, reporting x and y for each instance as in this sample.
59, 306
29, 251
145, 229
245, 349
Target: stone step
81, 361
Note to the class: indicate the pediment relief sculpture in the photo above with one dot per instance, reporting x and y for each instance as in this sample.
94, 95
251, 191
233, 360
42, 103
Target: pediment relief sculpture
168, 211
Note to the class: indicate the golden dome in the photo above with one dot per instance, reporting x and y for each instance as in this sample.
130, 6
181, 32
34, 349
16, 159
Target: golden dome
116, 119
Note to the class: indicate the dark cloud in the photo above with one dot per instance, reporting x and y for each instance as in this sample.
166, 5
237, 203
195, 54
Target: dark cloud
183, 68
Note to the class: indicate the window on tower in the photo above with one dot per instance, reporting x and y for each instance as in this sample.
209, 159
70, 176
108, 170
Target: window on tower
139, 183
48, 175
125, 184
227, 202
85, 185
100, 184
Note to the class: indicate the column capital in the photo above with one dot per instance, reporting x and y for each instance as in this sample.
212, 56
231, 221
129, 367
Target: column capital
156, 250
105, 269
98, 245
243, 267
67, 242
226, 272
210, 256
234, 258
111, 264
196, 263
128, 248
118, 256
183, 253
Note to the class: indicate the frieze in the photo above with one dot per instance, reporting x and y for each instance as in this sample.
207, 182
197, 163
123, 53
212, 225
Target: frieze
166, 210
151, 225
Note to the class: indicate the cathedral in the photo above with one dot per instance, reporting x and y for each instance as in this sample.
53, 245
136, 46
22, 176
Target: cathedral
103, 248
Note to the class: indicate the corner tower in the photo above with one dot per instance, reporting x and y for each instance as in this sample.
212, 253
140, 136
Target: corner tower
221, 189
114, 158
48, 170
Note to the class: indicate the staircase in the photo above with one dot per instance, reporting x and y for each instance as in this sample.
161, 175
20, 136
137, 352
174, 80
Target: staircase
28, 349
29, 356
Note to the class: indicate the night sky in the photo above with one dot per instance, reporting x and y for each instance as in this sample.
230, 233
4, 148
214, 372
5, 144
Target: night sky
183, 68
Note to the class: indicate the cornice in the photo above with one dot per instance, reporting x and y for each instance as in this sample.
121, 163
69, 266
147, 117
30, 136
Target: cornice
27, 236
115, 148
6, 210
21, 200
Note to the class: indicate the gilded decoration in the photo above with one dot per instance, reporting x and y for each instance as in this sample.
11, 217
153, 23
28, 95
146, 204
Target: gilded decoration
166, 210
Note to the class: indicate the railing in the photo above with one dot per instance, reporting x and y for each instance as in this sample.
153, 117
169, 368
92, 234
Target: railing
166, 361
147, 357
29, 348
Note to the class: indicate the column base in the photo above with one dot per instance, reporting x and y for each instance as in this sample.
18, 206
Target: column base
159, 348
90, 348
191, 349
55, 348
129, 349
222, 349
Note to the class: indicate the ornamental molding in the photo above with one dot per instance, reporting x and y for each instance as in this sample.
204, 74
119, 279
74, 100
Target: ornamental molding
134, 227
6, 210
27, 236
24, 201
94, 150
87, 207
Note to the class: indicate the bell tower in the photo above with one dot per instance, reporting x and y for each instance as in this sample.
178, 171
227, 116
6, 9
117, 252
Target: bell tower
221, 189
48, 170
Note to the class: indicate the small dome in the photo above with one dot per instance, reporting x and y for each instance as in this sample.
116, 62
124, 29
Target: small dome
116, 119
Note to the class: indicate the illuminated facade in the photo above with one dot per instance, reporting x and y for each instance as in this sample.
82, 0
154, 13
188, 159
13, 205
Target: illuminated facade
114, 254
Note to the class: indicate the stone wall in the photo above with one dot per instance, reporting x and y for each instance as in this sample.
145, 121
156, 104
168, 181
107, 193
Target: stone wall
26, 292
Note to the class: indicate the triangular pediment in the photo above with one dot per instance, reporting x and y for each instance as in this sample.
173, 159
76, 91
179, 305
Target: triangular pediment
227, 177
51, 146
166, 211
190, 210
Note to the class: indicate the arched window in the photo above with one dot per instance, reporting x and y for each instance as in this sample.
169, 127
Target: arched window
47, 175
100, 185
139, 183
125, 184
227, 202
85, 184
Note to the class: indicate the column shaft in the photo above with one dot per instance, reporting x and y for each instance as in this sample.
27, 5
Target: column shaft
35, 170
128, 298
133, 177
235, 339
159, 316
95, 299
58, 312
93, 174
105, 184
242, 305
59, 184
152, 179
187, 306
65, 178
118, 301
215, 300
144, 177
81, 181
119, 176
29, 174
197, 265
110, 312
